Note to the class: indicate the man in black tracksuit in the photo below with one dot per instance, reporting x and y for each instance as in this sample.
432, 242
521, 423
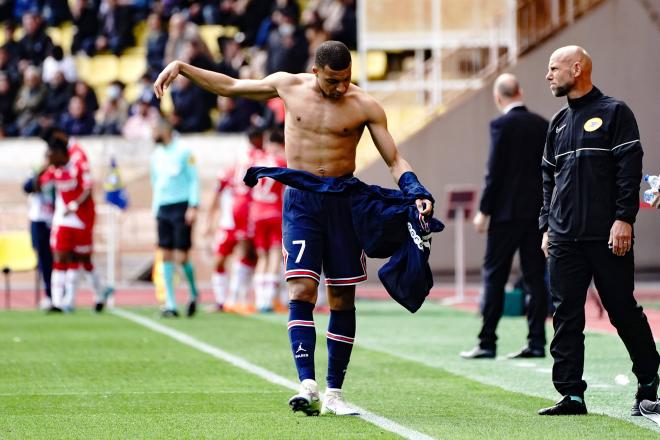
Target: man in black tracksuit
592, 168
509, 209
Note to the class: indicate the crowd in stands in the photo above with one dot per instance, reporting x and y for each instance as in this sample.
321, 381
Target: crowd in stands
40, 85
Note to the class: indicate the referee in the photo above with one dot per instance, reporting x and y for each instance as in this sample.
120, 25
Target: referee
592, 168
175, 186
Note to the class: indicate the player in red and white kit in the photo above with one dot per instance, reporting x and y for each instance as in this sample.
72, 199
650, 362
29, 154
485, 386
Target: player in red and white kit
73, 220
232, 238
265, 225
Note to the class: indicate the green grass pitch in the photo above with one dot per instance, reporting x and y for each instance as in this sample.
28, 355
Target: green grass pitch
86, 376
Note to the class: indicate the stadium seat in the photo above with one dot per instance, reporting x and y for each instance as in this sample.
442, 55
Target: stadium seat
376, 65
141, 32
103, 70
131, 68
166, 104
210, 34
132, 92
16, 255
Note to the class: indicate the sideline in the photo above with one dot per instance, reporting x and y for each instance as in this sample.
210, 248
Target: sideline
381, 422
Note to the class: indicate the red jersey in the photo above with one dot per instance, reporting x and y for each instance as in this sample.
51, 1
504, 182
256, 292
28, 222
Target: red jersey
70, 182
78, 155
267, 194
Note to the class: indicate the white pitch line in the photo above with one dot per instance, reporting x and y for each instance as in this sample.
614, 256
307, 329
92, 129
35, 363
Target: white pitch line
375, 419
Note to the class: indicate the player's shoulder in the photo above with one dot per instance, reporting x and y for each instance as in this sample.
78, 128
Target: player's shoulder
283, 79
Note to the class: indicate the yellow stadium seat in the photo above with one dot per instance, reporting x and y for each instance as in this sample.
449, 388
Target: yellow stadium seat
101, 92
210, 34
16, 255
141, 32
131, 68
83, 67
103, 69
55, 35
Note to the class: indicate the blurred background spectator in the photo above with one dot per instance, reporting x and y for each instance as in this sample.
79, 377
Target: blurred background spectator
113, 113
138, 126
35, 45
191, 113
57, 62
86, 22
260, 37
30, 102
57, 99
156, 42
7, 113
77, 121
115, 27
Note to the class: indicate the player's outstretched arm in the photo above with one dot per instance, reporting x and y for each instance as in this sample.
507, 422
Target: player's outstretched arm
377, 125
218, 83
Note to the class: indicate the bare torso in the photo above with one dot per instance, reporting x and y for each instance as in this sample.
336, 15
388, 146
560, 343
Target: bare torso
322, 133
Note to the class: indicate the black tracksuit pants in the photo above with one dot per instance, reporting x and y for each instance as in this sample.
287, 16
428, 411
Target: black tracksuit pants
572, 264
504, 239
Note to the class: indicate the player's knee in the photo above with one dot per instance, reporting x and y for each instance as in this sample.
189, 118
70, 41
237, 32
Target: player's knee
341, 298
303, 289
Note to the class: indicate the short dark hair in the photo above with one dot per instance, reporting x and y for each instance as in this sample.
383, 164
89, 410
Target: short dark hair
333, 54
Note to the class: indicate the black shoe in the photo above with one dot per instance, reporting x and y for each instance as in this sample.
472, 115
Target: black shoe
53, 309
650, 410
167, 313
192, 308
98, 307
526, 353
565, 407
645, 392
478, 353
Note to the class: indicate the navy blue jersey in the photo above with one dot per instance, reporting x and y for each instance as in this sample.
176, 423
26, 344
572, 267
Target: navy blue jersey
385, 223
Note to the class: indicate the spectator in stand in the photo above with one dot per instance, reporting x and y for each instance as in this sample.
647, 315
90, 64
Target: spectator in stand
57, 99
338, 18
113, 112
189, 116
116, 27
9, 66
315, 34
77, 121
85, 19
232, 57
156, 42
146, 85
287, 45
179, 32
22, 7
87, 94
56, 12
7, 113
35, 45
30, 102
236, 114
57, 62
10, 45
139, 126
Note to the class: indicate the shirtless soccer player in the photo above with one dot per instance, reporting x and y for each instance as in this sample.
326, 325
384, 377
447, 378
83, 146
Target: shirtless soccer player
325, 117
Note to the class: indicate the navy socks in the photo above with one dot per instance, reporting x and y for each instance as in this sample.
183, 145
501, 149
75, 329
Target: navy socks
302, 335
341, 334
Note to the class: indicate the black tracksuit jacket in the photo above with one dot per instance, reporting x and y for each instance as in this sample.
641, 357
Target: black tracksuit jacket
592, 168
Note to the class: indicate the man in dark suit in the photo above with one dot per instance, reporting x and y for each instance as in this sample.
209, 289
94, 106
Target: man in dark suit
509, 208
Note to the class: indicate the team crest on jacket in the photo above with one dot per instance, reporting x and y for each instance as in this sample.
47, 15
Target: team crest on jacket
593, 124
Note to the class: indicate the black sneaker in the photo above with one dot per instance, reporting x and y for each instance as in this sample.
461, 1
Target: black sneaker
565, 407
167, 313
192, 308
650, 410
53, 309
98, 307
527, 353
478, 353
645, 392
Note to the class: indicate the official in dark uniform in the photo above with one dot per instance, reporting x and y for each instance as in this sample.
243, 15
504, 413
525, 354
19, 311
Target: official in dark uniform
509, 207
592, 168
